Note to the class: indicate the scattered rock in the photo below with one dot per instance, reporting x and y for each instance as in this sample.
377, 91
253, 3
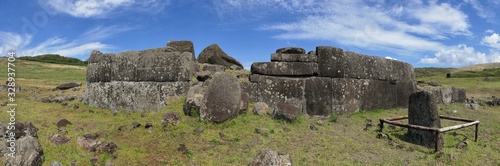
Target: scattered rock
62, 130
55, 163
269, 157
221, 134
439, 154
90, 136
59, 139
172, 118
85, 143
194, 100
400, 146
320, 122
462, 145
382, 136
3, 104
65, 104
313, 127
107, 147
63, 123
136, 124
67, 86
149, 126
91, 111
122, 128
285, 111
471, 106
109, 163
261, 108
183, 149
93, 161
390, 142
143, 115
452, 156
213, 54
260, 130
368, 126
198, 130
76, 106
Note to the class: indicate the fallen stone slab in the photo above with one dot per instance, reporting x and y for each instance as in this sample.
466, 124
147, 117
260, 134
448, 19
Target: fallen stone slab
291, 50
68, 85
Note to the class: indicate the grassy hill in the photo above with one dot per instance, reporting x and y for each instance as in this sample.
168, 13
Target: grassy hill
340, 141
56, 59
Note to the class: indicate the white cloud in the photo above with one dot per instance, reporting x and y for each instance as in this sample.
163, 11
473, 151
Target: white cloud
457, 56
391, 58
376, 25
482, 11
88, 41
493, 40
101, 8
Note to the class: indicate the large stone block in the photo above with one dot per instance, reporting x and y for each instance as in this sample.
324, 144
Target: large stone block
280, 57
404, 90
329, 65
447, 95
133, 96
222, 99
284, 68
97, 94
124, 66
347, 95
319, 94
182, 46
99, 67
252, 89
281, 89
376, 94
459, 95
422, 111
160, 65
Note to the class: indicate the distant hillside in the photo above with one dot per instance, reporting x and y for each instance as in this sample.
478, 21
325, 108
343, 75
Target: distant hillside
479, 67
55, 58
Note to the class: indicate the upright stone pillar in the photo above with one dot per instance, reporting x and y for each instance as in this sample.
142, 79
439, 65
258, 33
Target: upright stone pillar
422, 111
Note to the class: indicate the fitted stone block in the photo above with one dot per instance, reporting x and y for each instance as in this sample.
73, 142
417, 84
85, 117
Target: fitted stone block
282, 89
284, 68
280, 57
319, 94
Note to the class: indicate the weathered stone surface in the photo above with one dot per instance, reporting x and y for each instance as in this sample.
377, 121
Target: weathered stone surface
268, 157
275, 89
244, 101
280, 57
99, 67
28, 152
194, 100
261, 108
222, 99
422, 111
319, 94
459, 95
63, 123
291, 50
212, 68
156, 65
286, 111
376, 94
404, 89
251, 89
58, 139
213, 54
172, 118
68, 85
132, 96
447, 95
347, 95
182, 46
284, 68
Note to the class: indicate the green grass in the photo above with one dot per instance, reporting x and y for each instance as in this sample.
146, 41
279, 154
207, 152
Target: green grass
339, 140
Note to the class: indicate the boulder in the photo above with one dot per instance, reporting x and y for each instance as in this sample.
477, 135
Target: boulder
284, 68
222, 99
68, 85
267, 157
281, 57
194, 100
422, 111
285, 111
261, 108
63, 123
213, 54
28, 152
291, 50
244, 101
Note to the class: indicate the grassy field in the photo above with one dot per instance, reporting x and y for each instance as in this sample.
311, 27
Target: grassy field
340, 141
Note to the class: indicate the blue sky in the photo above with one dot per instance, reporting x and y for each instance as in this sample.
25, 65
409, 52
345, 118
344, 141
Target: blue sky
432, 33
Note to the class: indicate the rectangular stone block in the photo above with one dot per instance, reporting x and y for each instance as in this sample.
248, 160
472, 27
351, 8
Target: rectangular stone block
124, 66
404, 90
275, 89
97, 94
319, 94
160, 65
135, 96
459, 95
252, 89
100, 68
280, 57
377, 94
284, 68
329, 62
346, 95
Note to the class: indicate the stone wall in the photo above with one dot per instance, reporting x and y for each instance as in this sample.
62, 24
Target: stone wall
139, 80
331, 80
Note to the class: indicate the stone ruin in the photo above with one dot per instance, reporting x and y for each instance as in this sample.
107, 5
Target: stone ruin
331, 80
139, 80
319, 83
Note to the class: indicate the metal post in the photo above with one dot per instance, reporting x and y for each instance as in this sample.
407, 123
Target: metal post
475, 138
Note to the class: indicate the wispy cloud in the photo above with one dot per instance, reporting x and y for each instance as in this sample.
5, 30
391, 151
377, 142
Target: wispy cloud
482, 11
88, 41
102, 8
492, 41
